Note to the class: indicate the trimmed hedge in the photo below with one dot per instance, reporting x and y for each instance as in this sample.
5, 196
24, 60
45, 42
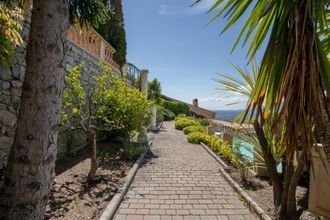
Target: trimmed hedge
185, 122
198, 137
180, 116
219, 146
224, 150
194, 128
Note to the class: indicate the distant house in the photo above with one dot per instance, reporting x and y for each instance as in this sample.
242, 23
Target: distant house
194, 108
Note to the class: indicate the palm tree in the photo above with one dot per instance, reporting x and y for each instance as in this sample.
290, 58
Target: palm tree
270, 147
294, 77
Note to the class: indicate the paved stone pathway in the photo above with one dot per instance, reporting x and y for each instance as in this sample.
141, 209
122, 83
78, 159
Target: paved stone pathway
180, 181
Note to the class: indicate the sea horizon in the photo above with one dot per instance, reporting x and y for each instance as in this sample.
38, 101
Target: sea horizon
227, 115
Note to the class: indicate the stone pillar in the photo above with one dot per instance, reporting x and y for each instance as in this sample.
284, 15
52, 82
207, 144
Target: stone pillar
142, 138
154, 118
102, 50
144, 81
124, 70
212, 129
229, 138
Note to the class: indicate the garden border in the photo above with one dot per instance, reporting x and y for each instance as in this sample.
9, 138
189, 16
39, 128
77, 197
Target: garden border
116, 200
249, 201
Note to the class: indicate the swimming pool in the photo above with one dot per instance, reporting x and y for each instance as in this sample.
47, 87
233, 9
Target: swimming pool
247, 153
244, 145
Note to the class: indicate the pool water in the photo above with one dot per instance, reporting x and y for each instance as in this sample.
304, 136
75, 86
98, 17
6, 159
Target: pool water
243, 149
247, 153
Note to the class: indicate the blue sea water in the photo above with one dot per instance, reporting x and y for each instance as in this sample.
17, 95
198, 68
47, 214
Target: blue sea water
227, 115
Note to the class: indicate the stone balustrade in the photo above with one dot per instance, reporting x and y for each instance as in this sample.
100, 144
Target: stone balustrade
94, 44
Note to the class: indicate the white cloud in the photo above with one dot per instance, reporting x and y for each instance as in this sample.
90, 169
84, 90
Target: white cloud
226, 98
171, 9
202, 7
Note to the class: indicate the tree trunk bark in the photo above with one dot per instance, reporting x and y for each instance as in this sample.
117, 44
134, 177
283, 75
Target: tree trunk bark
291, 198
92, 143
286, 184
271, 167
31, 165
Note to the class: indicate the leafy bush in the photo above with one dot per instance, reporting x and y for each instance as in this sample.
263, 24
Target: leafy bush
110, 105
164, 114
168, 115
194, 128
204, 122
185, 122
224, 150
179, 116
198, 137
132, 151
126, 106
176, 107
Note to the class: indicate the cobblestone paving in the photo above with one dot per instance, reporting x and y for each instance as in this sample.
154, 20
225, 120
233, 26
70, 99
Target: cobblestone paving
180, 181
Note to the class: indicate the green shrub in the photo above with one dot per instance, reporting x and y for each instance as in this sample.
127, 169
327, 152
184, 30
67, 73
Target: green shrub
185, 122
164, 114
204, 122
198, 137
180, 116
194, 128
159, 117
224, 150
132, 151
176, 107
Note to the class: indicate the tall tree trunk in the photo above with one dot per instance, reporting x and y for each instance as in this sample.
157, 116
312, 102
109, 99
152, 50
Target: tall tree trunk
291, 197
286, 183
30, 170
271, 168
92, 144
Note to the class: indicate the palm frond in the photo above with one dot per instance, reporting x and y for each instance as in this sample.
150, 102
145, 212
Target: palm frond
295, 69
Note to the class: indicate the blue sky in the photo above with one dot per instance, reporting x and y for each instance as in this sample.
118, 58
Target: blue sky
172, 41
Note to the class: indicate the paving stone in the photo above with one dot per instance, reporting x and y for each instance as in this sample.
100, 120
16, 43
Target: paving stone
180, 181
134, 217
209, 217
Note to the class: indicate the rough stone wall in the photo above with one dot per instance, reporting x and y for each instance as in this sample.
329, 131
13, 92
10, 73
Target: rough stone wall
11, 81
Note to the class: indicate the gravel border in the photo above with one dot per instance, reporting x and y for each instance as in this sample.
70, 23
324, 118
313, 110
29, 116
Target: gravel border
249, 201
115, 202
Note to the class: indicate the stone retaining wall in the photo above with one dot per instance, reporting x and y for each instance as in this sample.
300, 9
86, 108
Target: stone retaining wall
11, 82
